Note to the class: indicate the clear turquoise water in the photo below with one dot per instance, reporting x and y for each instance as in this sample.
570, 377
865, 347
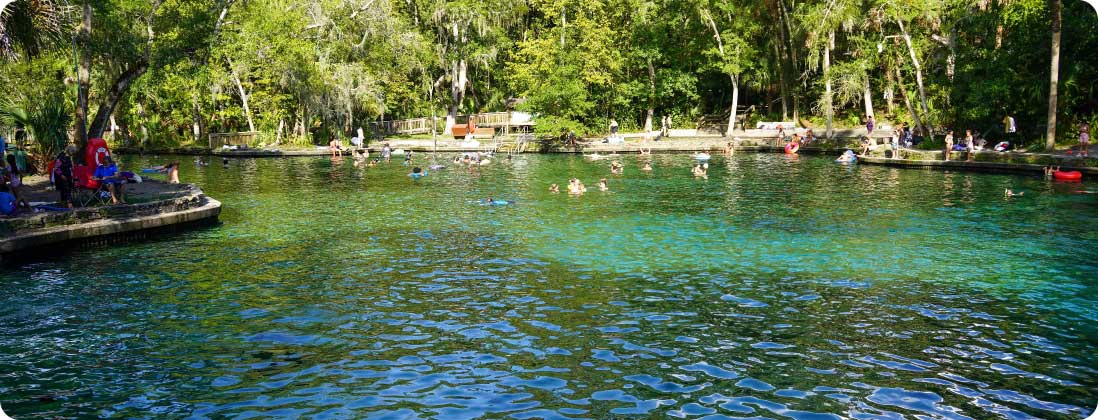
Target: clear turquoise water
778, 288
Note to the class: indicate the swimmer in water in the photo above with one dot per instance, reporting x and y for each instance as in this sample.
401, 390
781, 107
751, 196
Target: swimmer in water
225, 162
616, 168
701, 171
603, 186
647, 166
554, 189
1009, 193
576, 187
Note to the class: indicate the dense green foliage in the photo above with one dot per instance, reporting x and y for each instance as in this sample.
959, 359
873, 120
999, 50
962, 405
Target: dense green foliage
308, 71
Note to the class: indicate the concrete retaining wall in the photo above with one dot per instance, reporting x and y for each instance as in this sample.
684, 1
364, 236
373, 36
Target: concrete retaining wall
30, 234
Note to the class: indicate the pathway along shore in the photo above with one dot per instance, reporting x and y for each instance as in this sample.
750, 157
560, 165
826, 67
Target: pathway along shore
984, 161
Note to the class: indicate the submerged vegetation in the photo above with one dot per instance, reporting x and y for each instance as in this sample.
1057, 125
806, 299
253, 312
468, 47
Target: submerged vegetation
167, 72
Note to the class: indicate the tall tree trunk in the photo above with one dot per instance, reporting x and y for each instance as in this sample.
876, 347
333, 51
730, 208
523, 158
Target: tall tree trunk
651, 97
243, 97
83, 78
735, 106
951, 60
868, 95
198, 125
791, 55
782, 83
907, 98
282, 124
458, 80
119, 88
918, 72
144, 127
1054, 76
889, 91
828, 103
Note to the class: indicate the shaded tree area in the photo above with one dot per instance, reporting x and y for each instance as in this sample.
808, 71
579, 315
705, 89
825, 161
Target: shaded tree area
168, 72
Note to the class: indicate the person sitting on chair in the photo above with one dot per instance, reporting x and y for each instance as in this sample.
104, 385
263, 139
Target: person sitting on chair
107, 173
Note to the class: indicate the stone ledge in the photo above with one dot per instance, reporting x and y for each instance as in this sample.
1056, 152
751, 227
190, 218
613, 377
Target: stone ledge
113, 220
973, 166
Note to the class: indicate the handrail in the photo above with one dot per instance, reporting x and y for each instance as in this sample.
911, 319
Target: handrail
423, 125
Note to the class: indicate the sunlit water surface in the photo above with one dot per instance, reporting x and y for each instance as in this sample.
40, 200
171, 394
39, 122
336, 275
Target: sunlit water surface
777, 288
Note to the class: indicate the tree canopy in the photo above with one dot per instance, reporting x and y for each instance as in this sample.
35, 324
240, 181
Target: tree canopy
169, 71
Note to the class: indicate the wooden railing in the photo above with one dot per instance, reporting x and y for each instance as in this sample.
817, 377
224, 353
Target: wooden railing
718, 124
408, 126
423, 125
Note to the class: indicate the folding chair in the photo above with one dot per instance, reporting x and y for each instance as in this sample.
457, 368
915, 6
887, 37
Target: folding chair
88, 190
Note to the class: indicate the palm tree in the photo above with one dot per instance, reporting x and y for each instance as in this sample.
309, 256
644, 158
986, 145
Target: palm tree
29, 26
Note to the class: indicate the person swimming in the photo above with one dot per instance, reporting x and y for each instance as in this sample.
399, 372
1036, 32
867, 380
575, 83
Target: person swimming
647, 166
554, 189
603, 186
847, 157
700, 170
576, 187
493, 202
1010, 193
616, 168
1049, 171
417, 173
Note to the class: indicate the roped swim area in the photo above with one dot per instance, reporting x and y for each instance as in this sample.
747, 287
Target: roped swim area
777, 286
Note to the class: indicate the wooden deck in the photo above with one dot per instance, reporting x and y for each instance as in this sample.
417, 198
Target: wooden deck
508, 120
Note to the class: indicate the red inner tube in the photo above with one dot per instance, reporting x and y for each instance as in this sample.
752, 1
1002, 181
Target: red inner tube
1068, 175
791, 148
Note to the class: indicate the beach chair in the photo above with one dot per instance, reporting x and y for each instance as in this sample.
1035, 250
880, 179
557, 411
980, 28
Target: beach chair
88, 190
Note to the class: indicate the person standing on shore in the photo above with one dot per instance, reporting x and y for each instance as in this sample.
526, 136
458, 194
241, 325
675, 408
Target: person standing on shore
63, 176
1009, 128
969, 144
613, 127
949, 143
869, 124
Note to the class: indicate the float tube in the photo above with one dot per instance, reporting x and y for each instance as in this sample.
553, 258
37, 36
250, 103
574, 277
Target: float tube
1068, 175
791, 148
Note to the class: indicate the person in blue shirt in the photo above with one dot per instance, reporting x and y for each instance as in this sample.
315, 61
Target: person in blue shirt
107, 173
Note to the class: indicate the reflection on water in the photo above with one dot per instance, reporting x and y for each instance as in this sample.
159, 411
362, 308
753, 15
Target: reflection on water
777, 288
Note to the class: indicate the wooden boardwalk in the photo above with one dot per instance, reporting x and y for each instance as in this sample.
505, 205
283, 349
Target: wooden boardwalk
506, 120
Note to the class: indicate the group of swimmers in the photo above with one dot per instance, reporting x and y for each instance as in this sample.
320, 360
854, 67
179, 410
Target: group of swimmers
474, 159
576, 187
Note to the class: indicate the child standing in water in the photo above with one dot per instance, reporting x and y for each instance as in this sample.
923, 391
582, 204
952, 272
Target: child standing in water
1084, 139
